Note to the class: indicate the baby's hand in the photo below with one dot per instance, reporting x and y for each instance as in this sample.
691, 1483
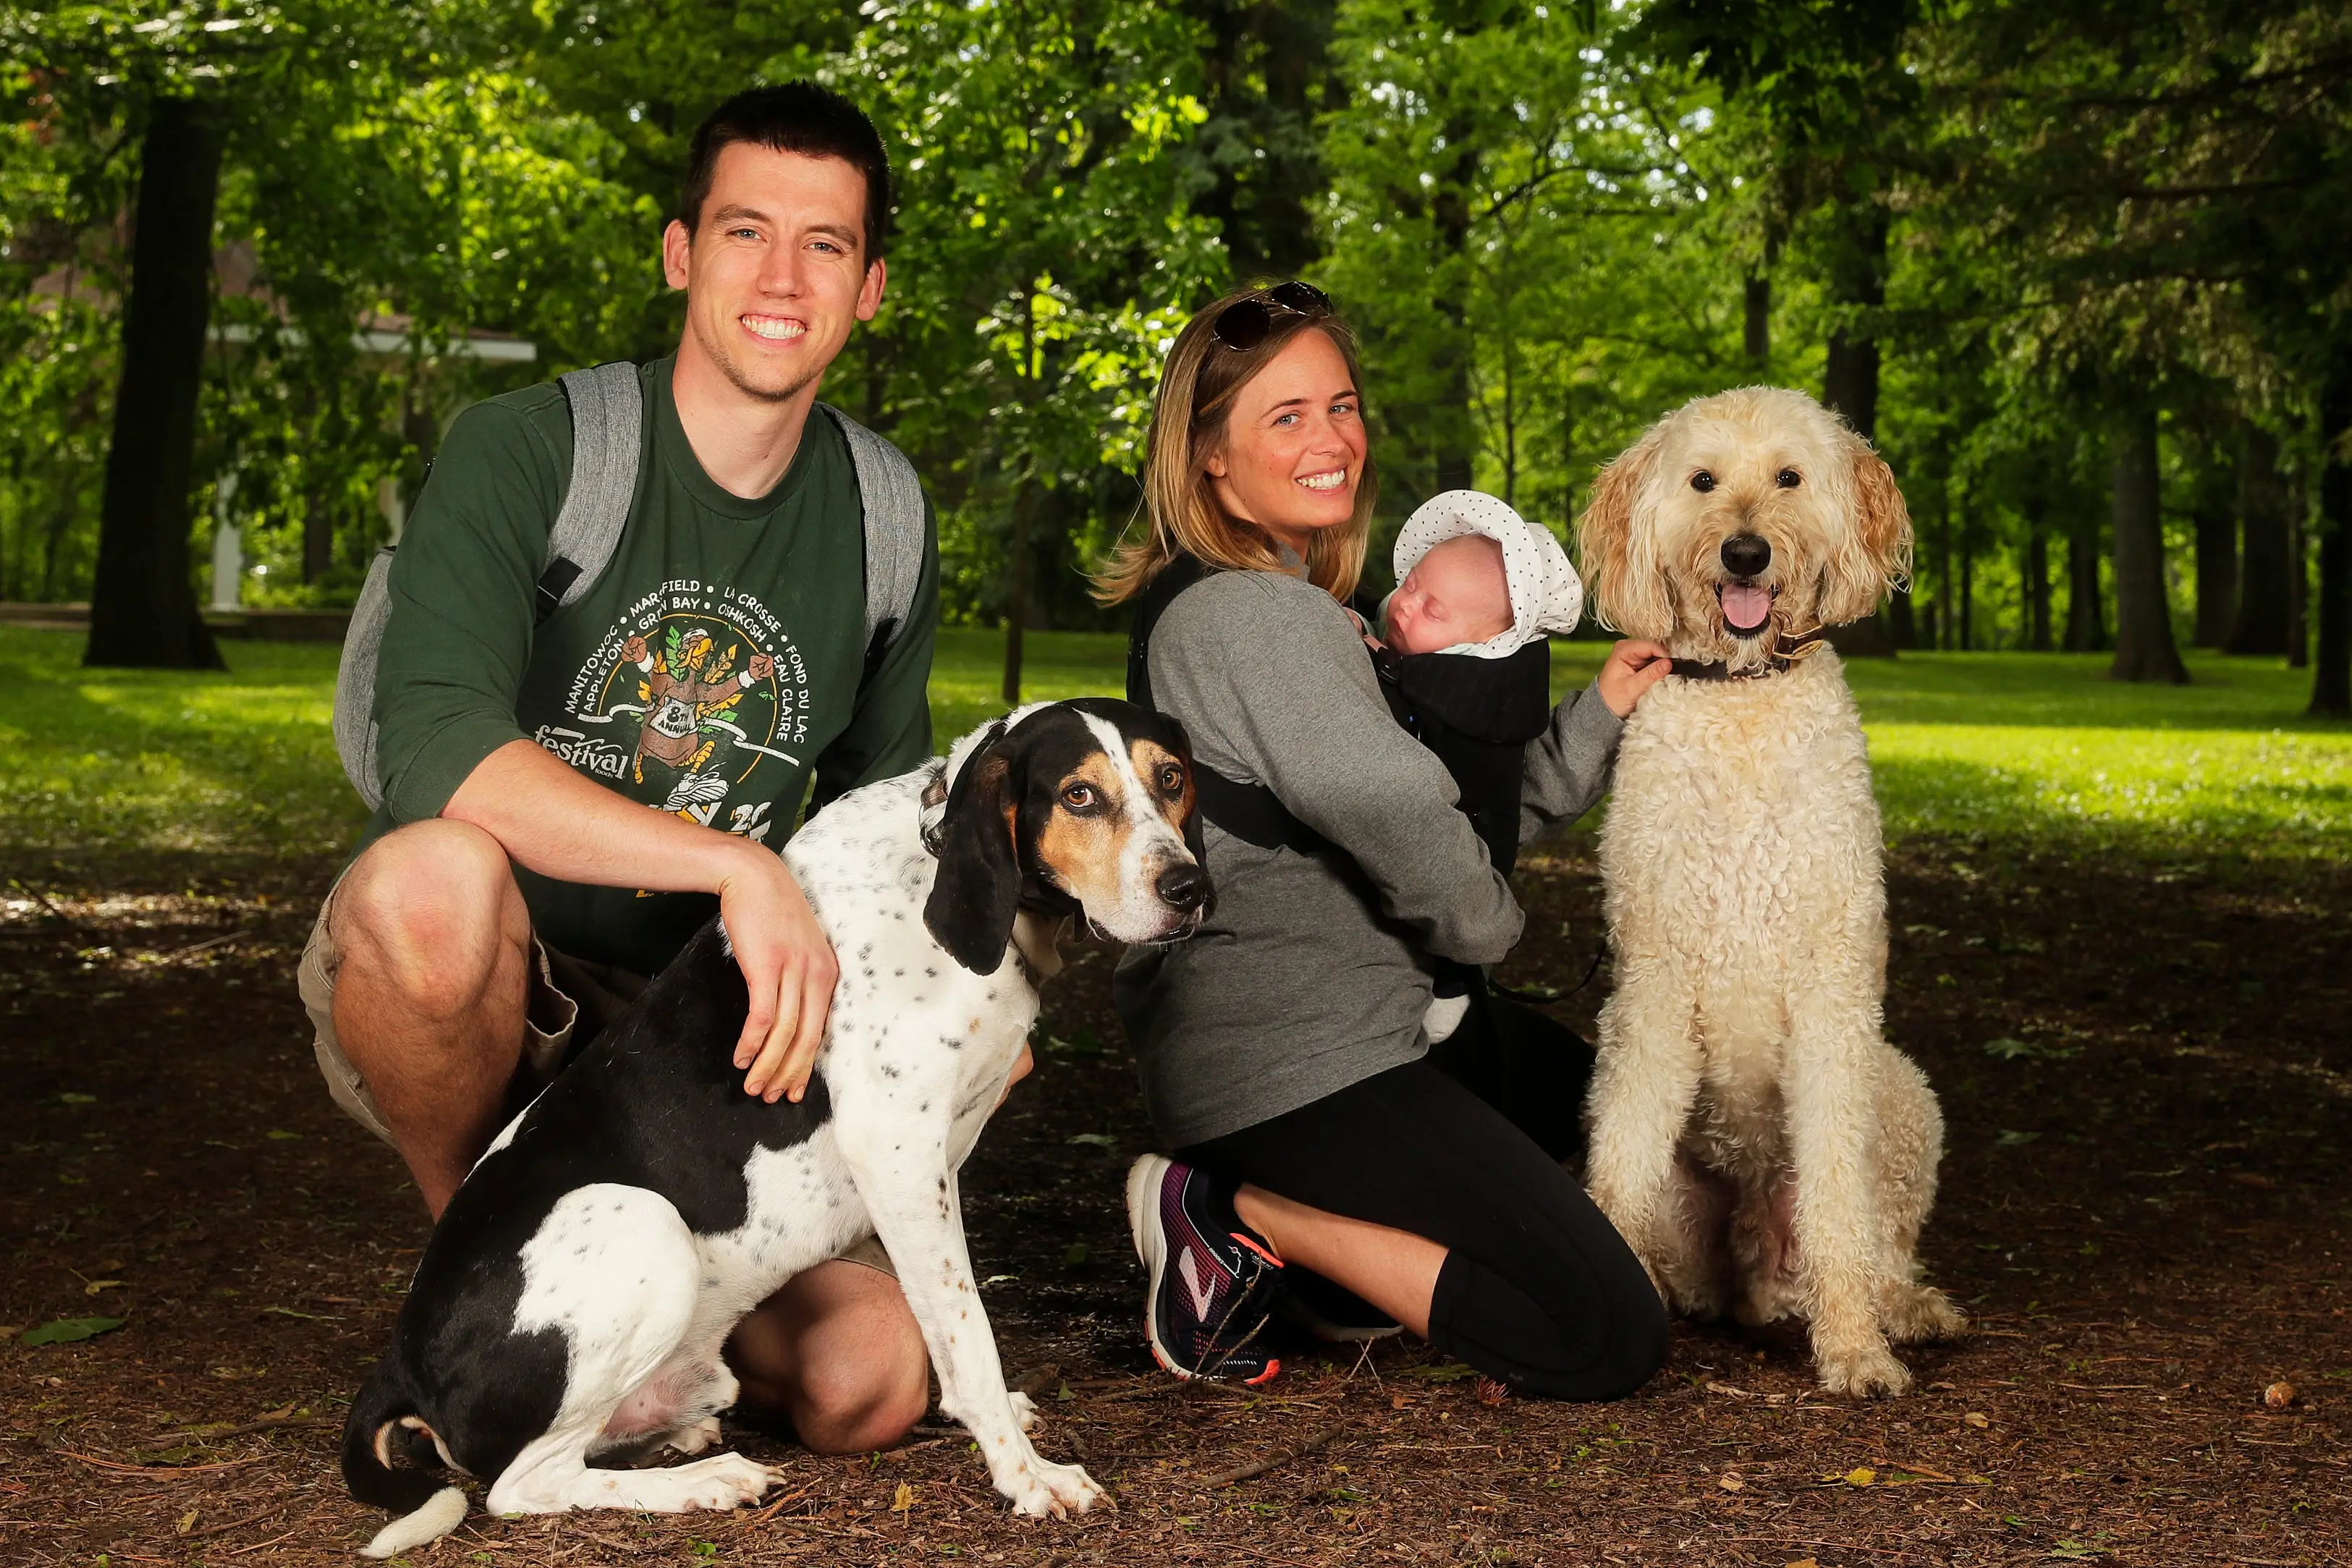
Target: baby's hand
1634, 666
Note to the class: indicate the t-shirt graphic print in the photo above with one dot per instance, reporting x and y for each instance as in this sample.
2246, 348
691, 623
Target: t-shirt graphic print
683, 701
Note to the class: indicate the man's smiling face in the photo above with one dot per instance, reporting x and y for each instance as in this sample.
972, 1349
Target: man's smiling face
776, 271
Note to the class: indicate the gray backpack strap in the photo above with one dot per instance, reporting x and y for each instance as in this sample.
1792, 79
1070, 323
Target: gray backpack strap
892, 499
607, 417
355, 726
607, 422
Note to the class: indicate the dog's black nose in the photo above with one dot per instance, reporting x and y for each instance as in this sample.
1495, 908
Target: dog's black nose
1184, 886
1745, 555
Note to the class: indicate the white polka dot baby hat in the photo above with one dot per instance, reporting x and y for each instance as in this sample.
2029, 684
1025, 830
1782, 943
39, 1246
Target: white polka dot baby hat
1547, 596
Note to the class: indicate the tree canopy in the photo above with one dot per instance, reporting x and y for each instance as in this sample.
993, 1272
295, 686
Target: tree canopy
2079, 268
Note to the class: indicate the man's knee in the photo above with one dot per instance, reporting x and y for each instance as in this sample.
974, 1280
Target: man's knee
432, 911
847, 1405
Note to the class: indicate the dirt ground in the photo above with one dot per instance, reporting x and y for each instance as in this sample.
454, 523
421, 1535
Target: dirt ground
2143, 1209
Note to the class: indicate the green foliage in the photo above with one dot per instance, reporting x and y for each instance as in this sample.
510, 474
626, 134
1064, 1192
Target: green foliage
69, 1331
1553, 224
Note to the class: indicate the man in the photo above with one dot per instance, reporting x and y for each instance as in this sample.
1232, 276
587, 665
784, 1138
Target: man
565, 802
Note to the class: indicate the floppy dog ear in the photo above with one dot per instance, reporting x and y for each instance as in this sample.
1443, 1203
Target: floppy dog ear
1880, 556
977, 891
1620, 565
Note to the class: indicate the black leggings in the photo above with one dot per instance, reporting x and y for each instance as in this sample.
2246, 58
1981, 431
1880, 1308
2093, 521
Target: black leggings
1537, 1289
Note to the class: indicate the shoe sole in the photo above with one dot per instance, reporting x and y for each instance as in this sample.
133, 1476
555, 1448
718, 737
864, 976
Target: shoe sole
1144, 1179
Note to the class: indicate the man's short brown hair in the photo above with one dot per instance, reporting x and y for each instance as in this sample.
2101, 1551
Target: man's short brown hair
799, 117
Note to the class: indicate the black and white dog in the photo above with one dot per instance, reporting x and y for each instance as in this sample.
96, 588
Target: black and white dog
571, 1304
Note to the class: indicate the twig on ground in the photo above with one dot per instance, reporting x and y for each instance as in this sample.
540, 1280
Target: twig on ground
1281, 1455
155, 1469
268, 1513
266, 1424
43, 899
179, 953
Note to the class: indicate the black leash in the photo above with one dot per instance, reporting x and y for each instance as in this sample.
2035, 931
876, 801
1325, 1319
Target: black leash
1531, 997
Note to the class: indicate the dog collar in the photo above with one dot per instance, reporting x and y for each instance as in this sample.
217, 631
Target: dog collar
1784, 658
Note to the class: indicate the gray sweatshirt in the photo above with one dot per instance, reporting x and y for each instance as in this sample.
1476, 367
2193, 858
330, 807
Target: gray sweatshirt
1309, 976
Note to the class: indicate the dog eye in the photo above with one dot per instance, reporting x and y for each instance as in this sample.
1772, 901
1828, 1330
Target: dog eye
1171, 779
1789, 479
1078, 797
1702, 481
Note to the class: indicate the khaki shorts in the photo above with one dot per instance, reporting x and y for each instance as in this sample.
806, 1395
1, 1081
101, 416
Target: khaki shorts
565, 994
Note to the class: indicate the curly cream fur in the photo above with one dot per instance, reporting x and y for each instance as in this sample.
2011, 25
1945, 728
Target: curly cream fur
1753, 1134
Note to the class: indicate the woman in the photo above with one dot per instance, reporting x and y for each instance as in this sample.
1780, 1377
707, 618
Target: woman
1282, 1047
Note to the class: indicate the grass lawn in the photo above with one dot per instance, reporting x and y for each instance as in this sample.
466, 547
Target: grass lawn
2033, 748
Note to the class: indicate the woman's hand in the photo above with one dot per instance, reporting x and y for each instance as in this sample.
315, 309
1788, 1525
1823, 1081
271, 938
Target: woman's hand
1634, 666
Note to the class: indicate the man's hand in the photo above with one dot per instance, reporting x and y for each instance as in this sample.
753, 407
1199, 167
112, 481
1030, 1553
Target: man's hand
788, 966
1634, 666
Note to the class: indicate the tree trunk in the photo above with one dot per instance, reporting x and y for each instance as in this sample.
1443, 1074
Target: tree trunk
2260, 626
2037, 573
1759, 322
1017, 605
2144, 646
2298, 575
2087, 629
2331, 676
2217, 565
1968, 588
1455, 440
1850, 381
143, 609
318, 537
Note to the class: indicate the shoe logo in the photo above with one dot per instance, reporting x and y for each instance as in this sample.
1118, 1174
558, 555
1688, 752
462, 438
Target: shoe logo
1203, 1291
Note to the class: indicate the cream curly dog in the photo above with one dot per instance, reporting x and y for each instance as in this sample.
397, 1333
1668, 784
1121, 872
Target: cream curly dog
1753, 1134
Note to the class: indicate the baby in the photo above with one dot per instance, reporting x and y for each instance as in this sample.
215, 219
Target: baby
1466, 664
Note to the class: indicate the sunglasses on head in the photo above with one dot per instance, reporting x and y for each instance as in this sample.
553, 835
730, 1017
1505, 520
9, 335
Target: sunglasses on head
1244, 324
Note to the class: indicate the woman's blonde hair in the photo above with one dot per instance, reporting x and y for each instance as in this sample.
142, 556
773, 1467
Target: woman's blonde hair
1197, 387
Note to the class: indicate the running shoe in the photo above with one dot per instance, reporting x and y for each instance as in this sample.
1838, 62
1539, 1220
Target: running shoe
1214, 1280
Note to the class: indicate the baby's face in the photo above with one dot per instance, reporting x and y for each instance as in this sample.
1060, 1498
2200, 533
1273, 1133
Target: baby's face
1455, 593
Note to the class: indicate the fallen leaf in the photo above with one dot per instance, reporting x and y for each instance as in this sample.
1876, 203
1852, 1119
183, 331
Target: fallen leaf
68, 1331
1859, 1475
2253, 1179
1445, 1372
281, 1133
1731, 1483
903, 1499
1976, 1419
94, 1286
187, 1522
77, 1099
1726, 1389
2009, 1139
1803, 1561
2279, 1395
1096, 1140
9, 1330
1075, 1255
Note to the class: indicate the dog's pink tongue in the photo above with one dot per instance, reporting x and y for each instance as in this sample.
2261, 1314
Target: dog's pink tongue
1747, 608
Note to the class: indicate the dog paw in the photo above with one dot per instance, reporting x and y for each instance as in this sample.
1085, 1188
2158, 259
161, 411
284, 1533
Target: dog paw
1920, 1313
1024, 1411
1863, 1374
1041, 1489
694, 1439
731, 1481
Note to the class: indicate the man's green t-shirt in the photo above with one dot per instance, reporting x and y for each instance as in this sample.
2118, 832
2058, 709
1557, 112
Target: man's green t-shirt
713, 667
